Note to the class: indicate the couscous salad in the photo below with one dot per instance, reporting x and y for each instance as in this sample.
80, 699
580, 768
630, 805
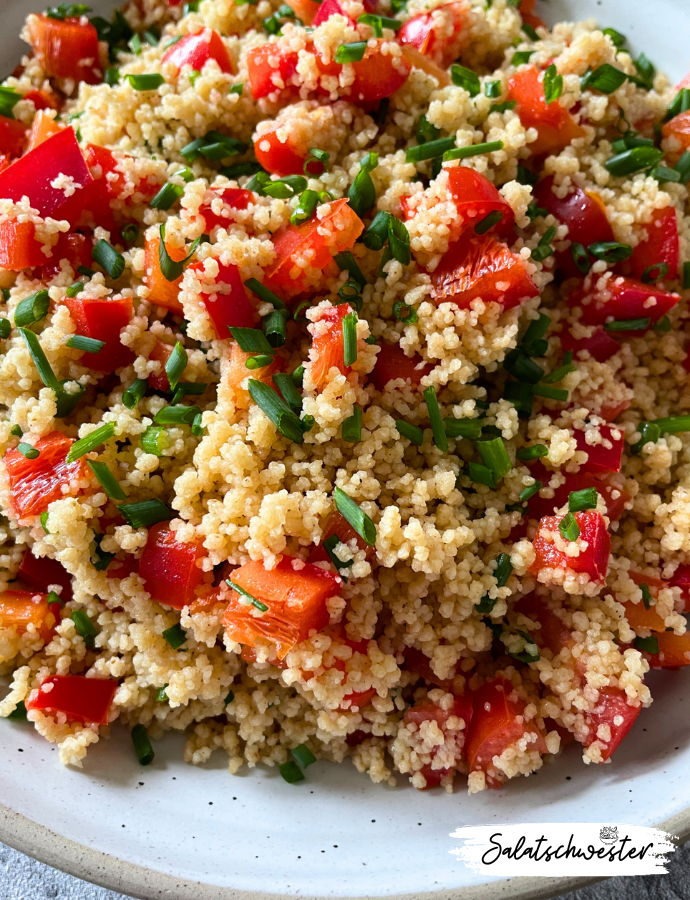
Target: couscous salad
343, 384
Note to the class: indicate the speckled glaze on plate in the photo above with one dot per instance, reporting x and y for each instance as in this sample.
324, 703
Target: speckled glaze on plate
186, 833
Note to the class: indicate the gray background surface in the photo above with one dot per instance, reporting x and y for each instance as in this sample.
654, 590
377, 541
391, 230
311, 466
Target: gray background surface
22, 878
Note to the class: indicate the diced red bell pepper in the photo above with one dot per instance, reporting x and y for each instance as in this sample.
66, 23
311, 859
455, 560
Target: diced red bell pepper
438, 34
12, 136
674, 651
32, 174
613, 710
233, 198
392, 363
43, 99
295, 593
377, 75
611, 412
226, 300
418, 662
555, 127
42, 128
661, 245
327, 9
66, 48
639, 617
103, 319
622, 299
600, 346
497, 724
74, 247
235, 371
21, 609
169, 567
41, 572
284, 157
336, 524
196, 50
307, 10
271, 68
161, 353
35, 483
122, 568
326, 349
528, 16
318, 240
163, 292
553, 634
481, 268
354, 699
80, 698
614, 497
476, 197
681, 579
603, 457
679, 130
592, 560
19, 248
461, 708
584, 214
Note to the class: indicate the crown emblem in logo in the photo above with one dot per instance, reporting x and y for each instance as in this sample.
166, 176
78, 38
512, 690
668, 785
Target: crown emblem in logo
609, 834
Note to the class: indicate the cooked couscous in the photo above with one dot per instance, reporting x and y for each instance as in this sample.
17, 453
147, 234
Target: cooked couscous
344, 384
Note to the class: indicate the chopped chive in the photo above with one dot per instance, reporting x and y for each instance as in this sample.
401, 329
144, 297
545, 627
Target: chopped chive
618, 40
425, 130
663, 174
486, 604
142, 745
245, 597
544, 249
579, 501
399, 241
473, 150
44, 521
559, 374
482, 475
411, 432
680, 104
488, 222
80, 448
682, 167
529, 492
321, 156
347, 263
106, 479
492, 89
172, 269
16, 431
155, 440
176, 364
465, 78
32, 309
135, 392
536, 330
5, 328
633, 160
536, 451
304, 210
495, 457
648, 644
404, 313
86, 344
350, 53
260, 361
329, 546
503, 107
647, 598
161, 696
362, 194
553, 84
524, 176
167, 196
176, 415
550, 393
360, 521
350, 339
85, 627
605, 78
520, 395
197, 428
302, 753
522, 367
251, 340
649, 432
663, 326
568, 527
27, 451
610, 251
503, 569
429, 150
520, 57
530, 31
274, 327
54, 598
290, 771
108, 258
376, 233
263, 293
628, 325
148, 82
352, 426
277, 410
287, 388
580, 257
112, 76
229, 698
673, 424
526, 656
654, 273
175, 635
146, 513
463, 428
437, 426
18, 714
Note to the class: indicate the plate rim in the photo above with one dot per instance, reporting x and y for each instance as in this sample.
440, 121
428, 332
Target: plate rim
116, 874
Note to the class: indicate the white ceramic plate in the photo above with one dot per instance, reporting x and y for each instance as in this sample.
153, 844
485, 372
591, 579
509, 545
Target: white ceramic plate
199, 834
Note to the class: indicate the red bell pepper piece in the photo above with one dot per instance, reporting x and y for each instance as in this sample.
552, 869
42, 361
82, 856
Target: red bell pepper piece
376, 76
621, 299
592, 560
305, 10
195, 50
354, 699
327, 9
392, 363
660, 246
42, 572
674, 651
66, 48
455, 739
481, 267
161, 352
681, 579
584, 214
326, 349
553, 634
235, 372
19, 248
476, 197
169, 567
162, 292
31, 176
21, 609
418, 662
35, 483
43, 99
600, 345
74, 247
271, 67
233, 198
612, 710
226, 300
614, 497
439, 34
122, 568
555, 127
679, 130
497, 724
42, 128
283, 158
80, 698
603, 457
12, 136
103, 319
336, 524
295, 593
